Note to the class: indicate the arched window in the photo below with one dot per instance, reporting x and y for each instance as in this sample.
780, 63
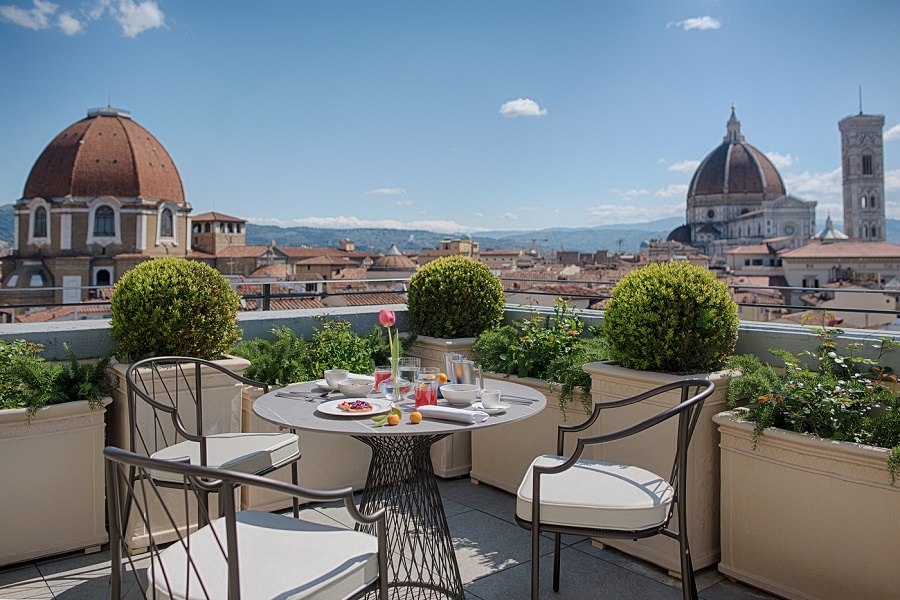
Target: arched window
103, 278
104, 222
40, 222
862, 202
165, 223
867, 164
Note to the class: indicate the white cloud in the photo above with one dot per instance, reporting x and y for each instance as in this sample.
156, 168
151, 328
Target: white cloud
357, 223
661, 161
673, 190
69, 24
781, 161
404, 202
617, 213
480, 215
522, 107
892, 134
531, 209
684, 166
701, 23
133, 17
892, 180
37, 17
815, 186
628, 195
136, 18
386, 192
509, 216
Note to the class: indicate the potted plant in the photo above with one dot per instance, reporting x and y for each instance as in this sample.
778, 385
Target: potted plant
51, 438
546, 352
662, 322
812, 458
450, 301
175, 307
286, 358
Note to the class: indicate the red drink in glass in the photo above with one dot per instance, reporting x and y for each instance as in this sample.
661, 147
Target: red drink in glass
381, 373
426, 394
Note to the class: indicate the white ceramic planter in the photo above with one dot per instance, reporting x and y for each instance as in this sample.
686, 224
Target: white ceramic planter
328, 461
654, 450
501, 455
805, 518
221, 414
52, 474
452, 456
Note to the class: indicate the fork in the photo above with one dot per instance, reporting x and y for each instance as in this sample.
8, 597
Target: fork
315, 397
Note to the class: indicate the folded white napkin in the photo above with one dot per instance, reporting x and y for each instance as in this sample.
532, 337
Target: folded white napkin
445, 413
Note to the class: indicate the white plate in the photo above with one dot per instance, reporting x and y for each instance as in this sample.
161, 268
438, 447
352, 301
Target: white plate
490, 411
331, 407
323, 385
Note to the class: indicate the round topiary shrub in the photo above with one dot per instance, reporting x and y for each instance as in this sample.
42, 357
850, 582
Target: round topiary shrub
673, 317
453, 297
174, 307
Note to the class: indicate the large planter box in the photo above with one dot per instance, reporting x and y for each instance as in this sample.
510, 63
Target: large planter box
221, 414
501, 455
804, 517
52, 474
328, 461
451, 457
654, 450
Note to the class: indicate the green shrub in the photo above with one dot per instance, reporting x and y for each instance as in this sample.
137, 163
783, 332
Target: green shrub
830, 393
28, 381
549, 347
174, 306
673, 318
334, 345
453, 297
279, 361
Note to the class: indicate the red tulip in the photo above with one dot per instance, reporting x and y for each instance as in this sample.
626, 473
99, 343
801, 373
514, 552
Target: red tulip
387, 318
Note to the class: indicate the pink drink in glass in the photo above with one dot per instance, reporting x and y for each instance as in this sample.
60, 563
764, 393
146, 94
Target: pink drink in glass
426, 394
381, 373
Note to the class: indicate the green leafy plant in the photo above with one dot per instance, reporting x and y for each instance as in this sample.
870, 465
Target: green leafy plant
278, 361
549, 347
174, 306
454, 296
30, 382
334, 345
672, 317
831, 393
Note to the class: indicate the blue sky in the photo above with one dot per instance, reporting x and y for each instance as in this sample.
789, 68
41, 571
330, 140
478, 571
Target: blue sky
454, 116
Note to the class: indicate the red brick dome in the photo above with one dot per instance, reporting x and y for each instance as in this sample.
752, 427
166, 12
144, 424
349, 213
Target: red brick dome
736, 167
105, 154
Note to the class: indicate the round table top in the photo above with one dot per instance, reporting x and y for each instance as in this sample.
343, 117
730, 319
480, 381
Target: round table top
299, 413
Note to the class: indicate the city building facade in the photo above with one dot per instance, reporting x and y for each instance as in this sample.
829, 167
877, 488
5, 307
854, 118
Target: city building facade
862, 168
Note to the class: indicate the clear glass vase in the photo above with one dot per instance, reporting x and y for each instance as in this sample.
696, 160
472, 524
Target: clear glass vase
390, 390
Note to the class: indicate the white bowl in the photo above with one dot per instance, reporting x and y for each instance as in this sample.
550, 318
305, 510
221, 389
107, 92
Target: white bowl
459, 393
356, 388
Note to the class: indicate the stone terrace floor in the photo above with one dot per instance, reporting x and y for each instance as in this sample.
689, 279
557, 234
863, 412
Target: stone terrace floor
493, 553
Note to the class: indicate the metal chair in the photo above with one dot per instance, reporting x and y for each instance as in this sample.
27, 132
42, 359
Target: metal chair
243, 553
567, 494
170, 422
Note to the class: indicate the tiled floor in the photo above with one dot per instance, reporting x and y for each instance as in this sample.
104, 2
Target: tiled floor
493, 553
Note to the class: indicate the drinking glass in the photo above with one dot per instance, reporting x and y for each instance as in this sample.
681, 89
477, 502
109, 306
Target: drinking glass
426, 389
409, 369
381, 373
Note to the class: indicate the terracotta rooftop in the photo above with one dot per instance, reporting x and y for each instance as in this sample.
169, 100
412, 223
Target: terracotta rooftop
243, 251
215, 216
374, 299
105, 154
845, 250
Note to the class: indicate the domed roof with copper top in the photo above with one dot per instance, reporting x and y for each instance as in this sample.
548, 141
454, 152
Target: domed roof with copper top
736, 167
105, 154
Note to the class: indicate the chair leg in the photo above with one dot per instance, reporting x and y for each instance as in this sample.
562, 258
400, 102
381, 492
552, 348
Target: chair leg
688, 584
535, 560
556, 548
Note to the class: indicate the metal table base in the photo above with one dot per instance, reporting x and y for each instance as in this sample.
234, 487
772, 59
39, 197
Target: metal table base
422, 563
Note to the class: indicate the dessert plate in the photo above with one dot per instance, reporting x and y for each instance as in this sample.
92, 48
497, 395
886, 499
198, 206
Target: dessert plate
491, 411
330, 407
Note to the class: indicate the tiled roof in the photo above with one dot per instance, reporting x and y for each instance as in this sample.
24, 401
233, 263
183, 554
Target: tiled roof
242, 251
196, 254
105, 155
374, 299
351, 273
285, 304
758, 249
215, 216
845, 250
280, 271
62, 312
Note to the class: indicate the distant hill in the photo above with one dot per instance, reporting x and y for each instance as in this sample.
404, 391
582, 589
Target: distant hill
615, 238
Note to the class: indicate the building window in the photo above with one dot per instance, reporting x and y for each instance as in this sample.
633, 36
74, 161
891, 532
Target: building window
867, 164
104, 222
862, 202
165, 223
237, 228
195, 228
40, 222
874, 231
103, 278
710, 214
206, 228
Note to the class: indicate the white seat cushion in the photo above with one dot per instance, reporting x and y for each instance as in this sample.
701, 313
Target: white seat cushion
598, 495
278, 557
242, 452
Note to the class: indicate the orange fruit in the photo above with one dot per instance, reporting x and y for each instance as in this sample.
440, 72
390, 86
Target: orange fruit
394, 420
415, 418
442, 378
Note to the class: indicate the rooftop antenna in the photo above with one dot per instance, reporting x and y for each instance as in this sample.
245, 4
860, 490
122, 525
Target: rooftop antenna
860, 99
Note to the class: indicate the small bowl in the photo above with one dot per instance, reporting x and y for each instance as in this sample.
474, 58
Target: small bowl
459, 393
356, 388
